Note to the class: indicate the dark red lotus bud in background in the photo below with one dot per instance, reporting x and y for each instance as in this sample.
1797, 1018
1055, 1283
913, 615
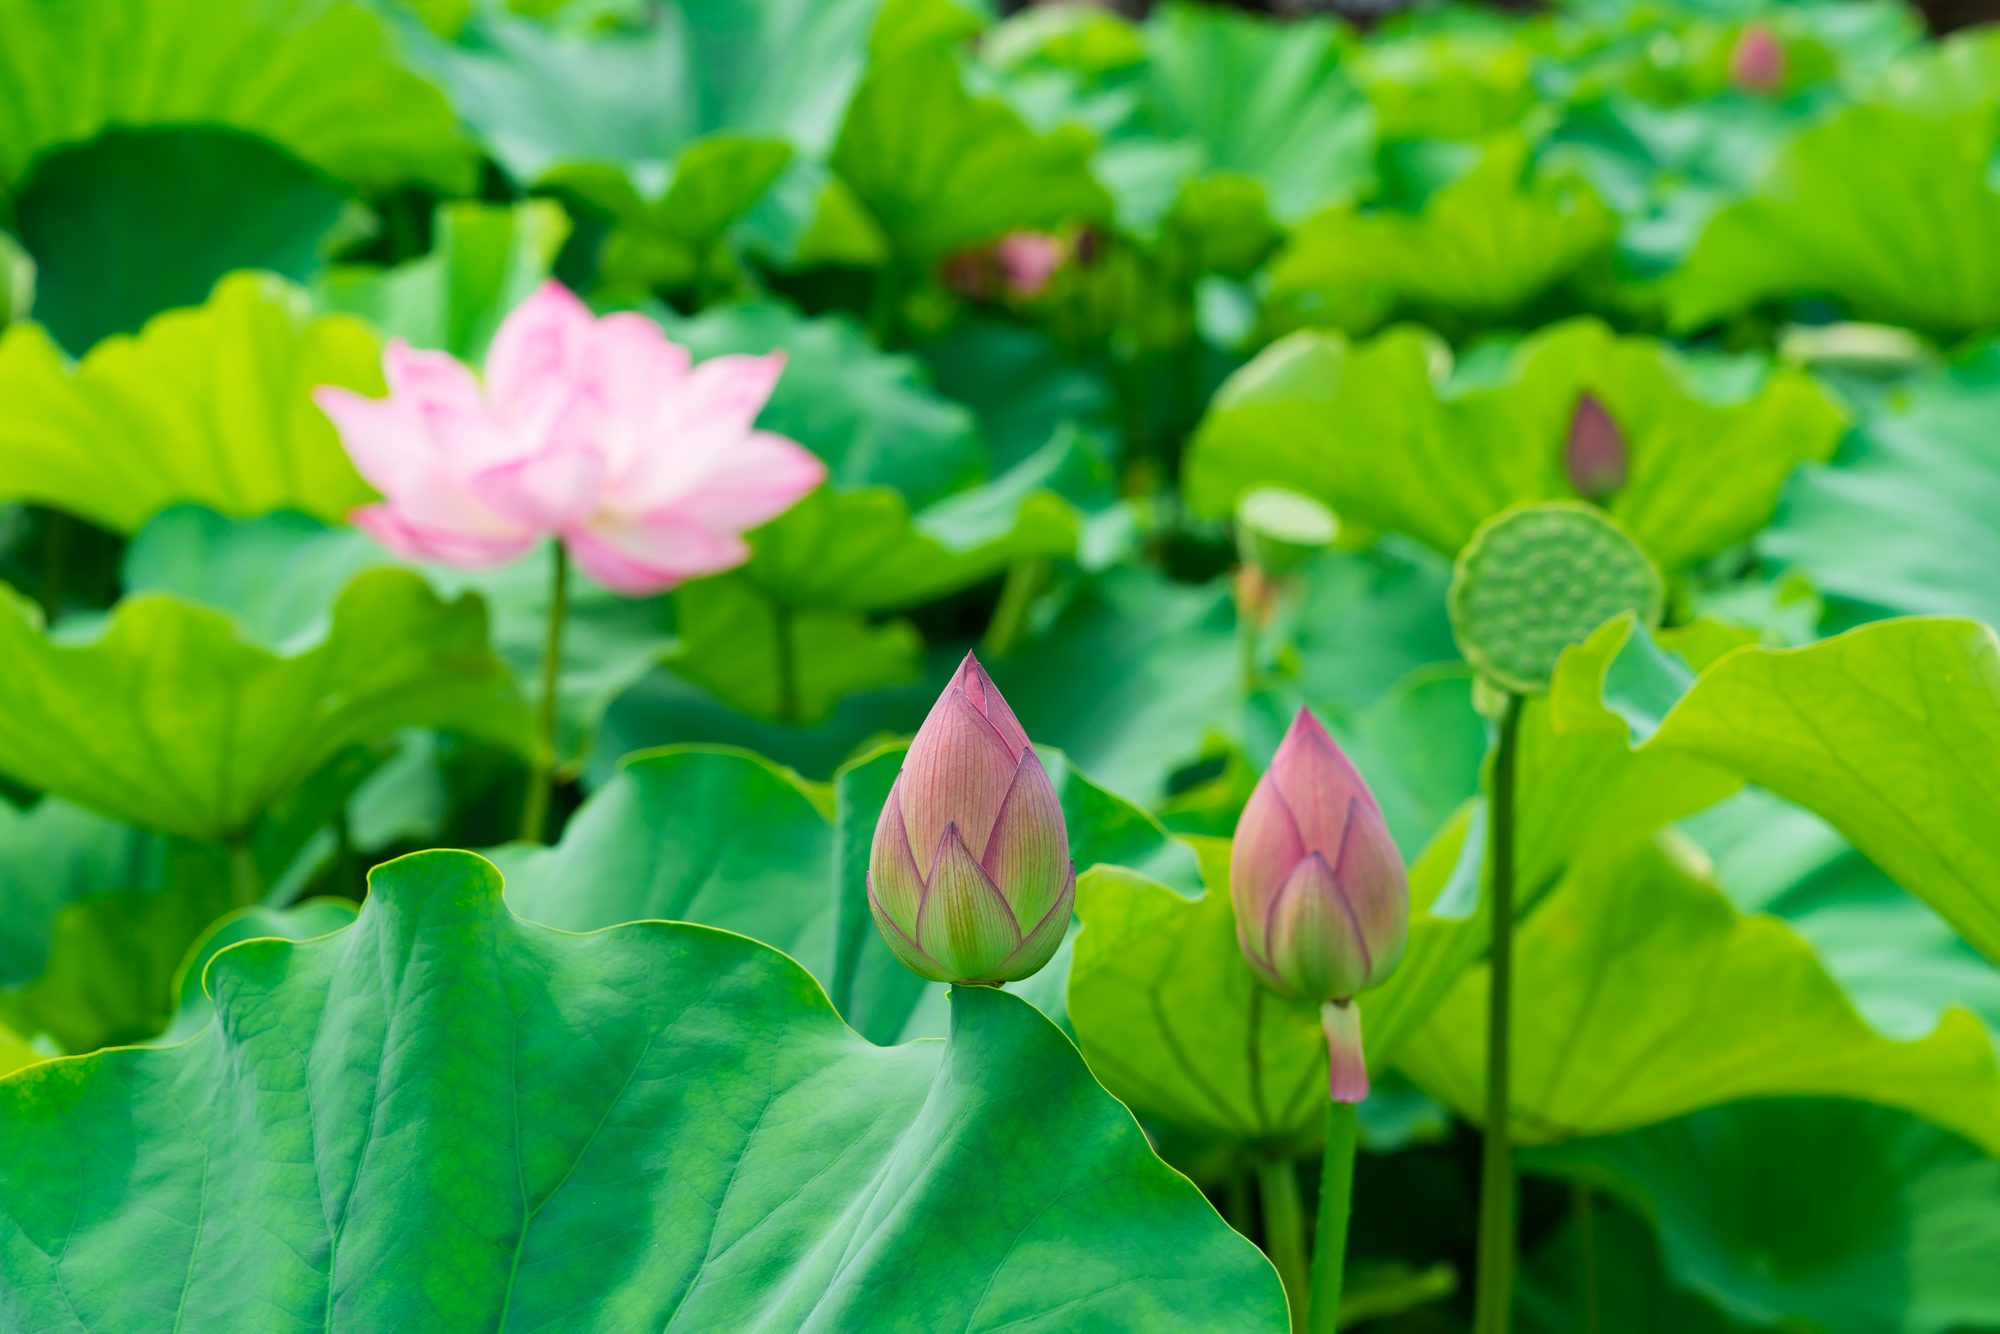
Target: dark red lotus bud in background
1595, 455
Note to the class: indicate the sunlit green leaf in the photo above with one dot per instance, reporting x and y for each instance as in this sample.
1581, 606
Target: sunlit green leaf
211, 406
660, 1123
1379, 431
1479, 250
315, 78
172, 719
1888, 732
1636, 977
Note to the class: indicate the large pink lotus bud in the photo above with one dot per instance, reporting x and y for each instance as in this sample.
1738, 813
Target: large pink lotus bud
970, 878
1757, 62
1322, 900
598, 431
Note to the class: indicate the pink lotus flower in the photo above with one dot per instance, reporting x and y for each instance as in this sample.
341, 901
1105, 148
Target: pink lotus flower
1322, 901
969, 878
1757, 63
1028, 260
598, 431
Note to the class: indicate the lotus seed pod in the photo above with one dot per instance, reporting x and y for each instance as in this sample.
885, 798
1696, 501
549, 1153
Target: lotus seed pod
970, 878
1595, 454
1537, 579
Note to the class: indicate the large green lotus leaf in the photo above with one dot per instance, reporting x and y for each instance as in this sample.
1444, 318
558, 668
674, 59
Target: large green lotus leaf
783, 663
691, 834
1902, 1234
1893, 214
484, 260
305, 921
211, 406
1886, 731
99, 914
940, 169
313, 77
871, 417
1906, 519
15, 1054
866, 550
1378, 431
673, 128
1019, 384
1254, 98
1901, 963
885, 1001
1478, 251
281, 574
1455, 81
213, 201
1174, 1023
444, 1117
1636, 977
173, 719
1621, 1269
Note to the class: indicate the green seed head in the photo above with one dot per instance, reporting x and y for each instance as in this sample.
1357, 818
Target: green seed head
1536, 579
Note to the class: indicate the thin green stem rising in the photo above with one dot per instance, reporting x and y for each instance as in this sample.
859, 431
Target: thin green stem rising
1336, 1195
541, 773
1494, 1295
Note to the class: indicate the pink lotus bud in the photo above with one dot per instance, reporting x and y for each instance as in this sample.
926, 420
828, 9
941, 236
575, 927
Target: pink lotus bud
970, 878
1757, 63
599, 431
1322, 901
1595, 456
1028, 260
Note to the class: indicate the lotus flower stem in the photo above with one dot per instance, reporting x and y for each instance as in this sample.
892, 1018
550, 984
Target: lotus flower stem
541, 773
245, 883
1586, 1240
1336, 1194
1285, 1232
1010, 619
1494, 1294
785, 655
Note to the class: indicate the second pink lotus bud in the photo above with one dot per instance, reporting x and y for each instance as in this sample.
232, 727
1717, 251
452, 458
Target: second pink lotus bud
1322, 900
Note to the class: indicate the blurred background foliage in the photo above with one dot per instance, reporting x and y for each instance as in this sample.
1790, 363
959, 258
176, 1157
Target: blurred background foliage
1057, 286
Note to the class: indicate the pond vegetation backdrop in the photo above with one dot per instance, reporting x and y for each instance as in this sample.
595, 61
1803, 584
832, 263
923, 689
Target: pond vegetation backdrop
928, 665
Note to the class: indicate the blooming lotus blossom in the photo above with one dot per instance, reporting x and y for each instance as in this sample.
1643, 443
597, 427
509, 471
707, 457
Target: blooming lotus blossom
1028, 260
970, 878
1322, 901
600, 432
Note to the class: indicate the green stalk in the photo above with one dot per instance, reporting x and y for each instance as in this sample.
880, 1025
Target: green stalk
1236, 1204
1010, 618
541, 774
1285, 1232
785, 651
1493, 1296
1586, 1239
1336, 1196
245, 883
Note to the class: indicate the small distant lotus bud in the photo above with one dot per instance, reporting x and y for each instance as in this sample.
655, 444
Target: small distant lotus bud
1595, 456
1028, 260
1757, 64
1322, 901
970, 878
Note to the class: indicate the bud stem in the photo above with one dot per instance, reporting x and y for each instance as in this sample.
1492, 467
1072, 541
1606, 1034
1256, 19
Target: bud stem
1285, 1231
1336, 1193
541, 770
1494, 1293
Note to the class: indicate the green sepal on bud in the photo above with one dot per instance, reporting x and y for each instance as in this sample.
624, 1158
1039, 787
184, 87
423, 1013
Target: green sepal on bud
1538, 579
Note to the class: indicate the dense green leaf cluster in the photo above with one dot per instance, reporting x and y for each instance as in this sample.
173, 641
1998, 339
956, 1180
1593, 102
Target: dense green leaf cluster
1054, 291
